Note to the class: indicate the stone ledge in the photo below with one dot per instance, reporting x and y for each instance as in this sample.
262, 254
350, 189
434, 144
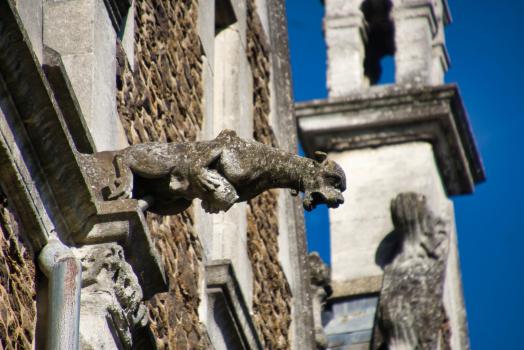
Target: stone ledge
359, 286
228, 304
394, 114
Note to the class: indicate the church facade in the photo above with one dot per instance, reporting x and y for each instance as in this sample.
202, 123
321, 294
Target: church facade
88, 261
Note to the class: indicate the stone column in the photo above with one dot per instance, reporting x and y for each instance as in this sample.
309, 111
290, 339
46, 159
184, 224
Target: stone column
415, 26
345, 39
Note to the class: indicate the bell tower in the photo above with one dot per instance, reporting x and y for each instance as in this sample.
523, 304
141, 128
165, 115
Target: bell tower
398, 140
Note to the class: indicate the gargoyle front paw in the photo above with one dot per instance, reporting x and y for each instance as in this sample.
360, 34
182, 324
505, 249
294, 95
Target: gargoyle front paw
221, 195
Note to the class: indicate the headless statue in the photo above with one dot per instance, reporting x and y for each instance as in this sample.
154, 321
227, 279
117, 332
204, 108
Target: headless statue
220, 172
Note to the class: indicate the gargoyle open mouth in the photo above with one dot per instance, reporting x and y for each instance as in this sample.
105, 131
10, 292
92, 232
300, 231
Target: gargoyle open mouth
311, 200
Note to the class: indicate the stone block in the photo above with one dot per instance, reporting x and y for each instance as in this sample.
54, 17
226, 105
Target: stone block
360, 225
415, 28
345, 51
240, 8
453, 298
83, 34
341, 8
65, 28
30, 12
262, 8
208, 98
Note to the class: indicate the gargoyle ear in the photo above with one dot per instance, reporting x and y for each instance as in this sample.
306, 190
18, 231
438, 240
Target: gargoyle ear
294, 192
320, 156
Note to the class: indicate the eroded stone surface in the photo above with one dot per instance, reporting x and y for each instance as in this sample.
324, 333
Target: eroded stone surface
220, 172
110, 300
410, 310
320, 289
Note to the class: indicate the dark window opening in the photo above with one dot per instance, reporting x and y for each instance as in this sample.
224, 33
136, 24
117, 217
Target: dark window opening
381, 41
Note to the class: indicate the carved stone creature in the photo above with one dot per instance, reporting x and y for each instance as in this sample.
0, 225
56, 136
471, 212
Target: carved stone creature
111, 315
221, 172
410, 312
320, 277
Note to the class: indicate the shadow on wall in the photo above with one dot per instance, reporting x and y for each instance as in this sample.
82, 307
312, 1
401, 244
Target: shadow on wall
387, 249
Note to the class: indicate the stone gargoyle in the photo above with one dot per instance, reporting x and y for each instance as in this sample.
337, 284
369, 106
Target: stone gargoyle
220, 172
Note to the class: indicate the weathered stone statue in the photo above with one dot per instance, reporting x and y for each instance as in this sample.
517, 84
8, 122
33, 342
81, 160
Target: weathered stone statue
111, 311
221, 172
320, 278
410, 312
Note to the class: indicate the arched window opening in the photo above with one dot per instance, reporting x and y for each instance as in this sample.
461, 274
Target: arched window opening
381, 41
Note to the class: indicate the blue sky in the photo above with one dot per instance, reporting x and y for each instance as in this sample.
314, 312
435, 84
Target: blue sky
486, 46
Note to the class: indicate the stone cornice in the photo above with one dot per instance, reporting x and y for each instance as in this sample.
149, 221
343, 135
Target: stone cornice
395, 114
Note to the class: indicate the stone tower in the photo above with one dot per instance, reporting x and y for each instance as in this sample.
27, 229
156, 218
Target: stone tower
410, 141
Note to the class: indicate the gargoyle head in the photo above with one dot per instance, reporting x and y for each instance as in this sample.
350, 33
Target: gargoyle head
325, 184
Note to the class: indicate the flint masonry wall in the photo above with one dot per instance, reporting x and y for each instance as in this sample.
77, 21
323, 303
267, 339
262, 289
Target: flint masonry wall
271, 291
17, 283
161, 100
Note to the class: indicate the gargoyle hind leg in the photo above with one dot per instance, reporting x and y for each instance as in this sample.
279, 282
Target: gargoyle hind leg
124, 179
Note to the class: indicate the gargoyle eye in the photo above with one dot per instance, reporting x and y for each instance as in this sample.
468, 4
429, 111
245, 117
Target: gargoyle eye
333, 181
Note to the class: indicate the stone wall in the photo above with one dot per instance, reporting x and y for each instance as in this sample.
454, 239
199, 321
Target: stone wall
17, 284
161, 101
271, 291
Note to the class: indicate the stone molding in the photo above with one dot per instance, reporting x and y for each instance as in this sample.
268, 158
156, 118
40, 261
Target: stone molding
227, 302
413, 9
440, 50
387, 115
358, 286
355, 19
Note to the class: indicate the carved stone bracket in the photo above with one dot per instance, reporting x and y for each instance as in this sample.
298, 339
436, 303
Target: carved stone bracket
410, 312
